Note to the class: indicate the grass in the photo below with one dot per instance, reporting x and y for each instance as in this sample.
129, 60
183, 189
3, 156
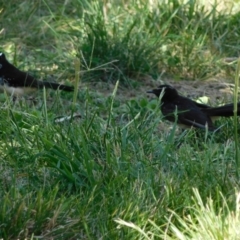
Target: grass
114, 173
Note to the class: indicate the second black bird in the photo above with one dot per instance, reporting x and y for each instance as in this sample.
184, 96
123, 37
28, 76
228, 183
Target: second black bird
16, 82
187, 112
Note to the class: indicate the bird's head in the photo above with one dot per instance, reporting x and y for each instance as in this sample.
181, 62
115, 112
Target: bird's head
5, 66
2, 57
167, 91
3, 60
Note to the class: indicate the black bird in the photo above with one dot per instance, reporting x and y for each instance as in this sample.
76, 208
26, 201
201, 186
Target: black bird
190, 113
16, 82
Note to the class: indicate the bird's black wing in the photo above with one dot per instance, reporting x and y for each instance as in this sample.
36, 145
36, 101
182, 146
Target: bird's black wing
187, 112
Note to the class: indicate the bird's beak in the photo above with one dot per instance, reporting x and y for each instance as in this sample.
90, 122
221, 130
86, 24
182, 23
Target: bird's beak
150, 91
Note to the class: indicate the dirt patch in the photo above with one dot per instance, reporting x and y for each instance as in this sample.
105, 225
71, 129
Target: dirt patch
218, 90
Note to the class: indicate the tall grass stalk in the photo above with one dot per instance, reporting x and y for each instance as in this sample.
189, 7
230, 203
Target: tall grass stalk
77, 65
45, 106
236, 119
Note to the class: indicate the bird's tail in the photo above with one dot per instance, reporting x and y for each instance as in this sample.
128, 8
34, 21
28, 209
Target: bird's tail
56, 86
223, 111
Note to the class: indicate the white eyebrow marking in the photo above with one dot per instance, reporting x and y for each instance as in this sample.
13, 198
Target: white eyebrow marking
0, 54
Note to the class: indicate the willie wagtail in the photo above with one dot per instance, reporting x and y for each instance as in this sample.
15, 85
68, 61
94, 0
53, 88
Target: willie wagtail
189, 113
16, 82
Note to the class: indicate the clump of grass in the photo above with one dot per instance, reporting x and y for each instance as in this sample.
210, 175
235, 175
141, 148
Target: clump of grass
175, 38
